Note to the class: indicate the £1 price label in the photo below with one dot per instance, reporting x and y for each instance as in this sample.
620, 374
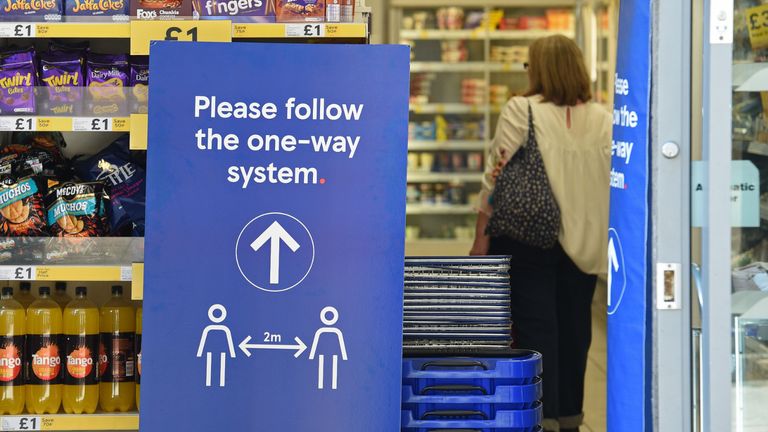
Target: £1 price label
92, 124
305, 30
18, 124
18, 30
19, 423
23, 273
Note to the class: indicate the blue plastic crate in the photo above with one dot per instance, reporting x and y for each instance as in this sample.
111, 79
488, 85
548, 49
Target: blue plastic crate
471, 398
487, 373
503, 421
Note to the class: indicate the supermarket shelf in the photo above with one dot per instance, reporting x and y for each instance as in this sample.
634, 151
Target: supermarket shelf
438, 209
64, 124
750, 77
62, 272
107, 30
446, 145
71, 422
447, 108
103, 30
437, 177
480, 33
299, 30
466, 67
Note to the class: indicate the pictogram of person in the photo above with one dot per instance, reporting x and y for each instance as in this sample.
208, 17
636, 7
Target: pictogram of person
217, 314
329, 322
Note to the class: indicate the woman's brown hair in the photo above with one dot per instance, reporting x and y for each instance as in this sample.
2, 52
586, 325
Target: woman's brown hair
557, 72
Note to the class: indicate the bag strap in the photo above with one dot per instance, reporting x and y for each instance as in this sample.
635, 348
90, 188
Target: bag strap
531, 130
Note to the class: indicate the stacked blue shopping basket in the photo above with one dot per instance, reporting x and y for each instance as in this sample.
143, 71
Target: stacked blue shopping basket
459, 372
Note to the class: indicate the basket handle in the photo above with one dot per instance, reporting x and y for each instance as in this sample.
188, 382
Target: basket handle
454, 388
453, 364
454, 413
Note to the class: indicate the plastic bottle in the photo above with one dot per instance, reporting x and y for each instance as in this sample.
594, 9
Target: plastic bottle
139, 312
24, 296
12, 326
60, 295
117, 387
43, 355
81, 351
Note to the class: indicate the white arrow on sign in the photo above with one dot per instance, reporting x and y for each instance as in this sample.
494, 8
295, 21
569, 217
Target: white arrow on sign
300, 347
275, 234
613, 266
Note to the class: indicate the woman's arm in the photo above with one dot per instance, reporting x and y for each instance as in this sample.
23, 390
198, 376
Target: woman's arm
482, 240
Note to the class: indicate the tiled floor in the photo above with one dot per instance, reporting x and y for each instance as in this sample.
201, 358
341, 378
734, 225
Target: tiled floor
595, 392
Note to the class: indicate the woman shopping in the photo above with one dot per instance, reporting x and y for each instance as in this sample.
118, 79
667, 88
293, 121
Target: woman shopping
545, 202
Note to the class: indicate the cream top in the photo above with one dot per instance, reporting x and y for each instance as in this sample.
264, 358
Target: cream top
575, 144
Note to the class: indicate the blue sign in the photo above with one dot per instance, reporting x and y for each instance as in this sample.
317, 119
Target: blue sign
275, 237
628, 262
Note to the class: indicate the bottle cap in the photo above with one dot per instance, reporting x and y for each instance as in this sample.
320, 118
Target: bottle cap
117, 290
25, 286
61, 286
44, 291
7, 291
81, 291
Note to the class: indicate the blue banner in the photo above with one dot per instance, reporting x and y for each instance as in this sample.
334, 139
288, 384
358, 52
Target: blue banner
628, 265
275, 237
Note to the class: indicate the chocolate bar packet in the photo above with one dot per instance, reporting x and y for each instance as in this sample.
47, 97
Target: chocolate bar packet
106, 78
75, 209
258, 11
18, 77
32, 10
139, 81
117, 9
300, 10
62, 73
22, 212
161, 9
125, 184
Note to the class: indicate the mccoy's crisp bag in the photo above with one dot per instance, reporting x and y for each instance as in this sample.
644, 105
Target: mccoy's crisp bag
76, 209
22, 211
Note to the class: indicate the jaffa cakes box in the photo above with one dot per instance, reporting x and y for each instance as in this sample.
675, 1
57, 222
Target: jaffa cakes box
300, 10
32, 10
117, 9
161, 9
257, 11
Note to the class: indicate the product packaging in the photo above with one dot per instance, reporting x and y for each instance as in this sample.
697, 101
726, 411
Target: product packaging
18, 77
125, 182
31, 10
62, 73
257, 11
139, 82
106, 79
117, 9
27, 142
347, 11
21, 207
76, 209
160, 9
300, 10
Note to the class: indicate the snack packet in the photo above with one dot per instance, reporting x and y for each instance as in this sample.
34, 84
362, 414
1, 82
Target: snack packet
18, 77
259, 11
62, 73
300, 10
117, 9
31, 10
139, 81
106, 79
23, 142
75, 209
125, 186
21, 207
161, 9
